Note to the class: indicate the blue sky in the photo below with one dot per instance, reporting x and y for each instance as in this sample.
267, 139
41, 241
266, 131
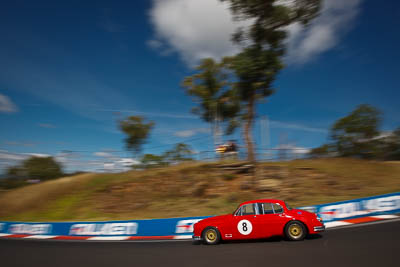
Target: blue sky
70, 70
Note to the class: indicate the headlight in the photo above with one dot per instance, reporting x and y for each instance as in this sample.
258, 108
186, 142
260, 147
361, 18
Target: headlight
319, 219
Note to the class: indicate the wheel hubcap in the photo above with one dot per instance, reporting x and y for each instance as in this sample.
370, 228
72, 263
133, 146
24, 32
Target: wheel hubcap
211, 235
295, 230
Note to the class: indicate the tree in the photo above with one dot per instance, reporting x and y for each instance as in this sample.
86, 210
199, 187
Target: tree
355, 134
42, 168
270, 19
388, 145
137, 130
181, 152
322, 151
260, 61
393, 150
151, 161
216, 102
15, 172
255, 70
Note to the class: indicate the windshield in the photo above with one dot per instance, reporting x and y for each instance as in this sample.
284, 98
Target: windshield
236, 211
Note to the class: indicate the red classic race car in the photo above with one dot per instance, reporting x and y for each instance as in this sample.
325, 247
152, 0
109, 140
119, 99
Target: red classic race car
258, 219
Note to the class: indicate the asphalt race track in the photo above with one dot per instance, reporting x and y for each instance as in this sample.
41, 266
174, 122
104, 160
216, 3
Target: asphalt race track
366, 245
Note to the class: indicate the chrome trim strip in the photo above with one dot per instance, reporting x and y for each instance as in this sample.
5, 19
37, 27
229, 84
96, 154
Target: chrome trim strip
319, 228
196, 238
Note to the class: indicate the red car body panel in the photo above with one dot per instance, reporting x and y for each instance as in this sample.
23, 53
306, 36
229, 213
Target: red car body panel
260, 225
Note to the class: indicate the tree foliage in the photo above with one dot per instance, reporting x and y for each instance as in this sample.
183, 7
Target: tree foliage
210, 89
180, 152
270, 17
152, 161
353, 135
137, 130
393, 148
42, 168
388, 146
322, 151
358, 135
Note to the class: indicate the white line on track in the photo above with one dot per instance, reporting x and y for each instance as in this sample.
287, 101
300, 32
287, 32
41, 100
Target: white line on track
363, 224
109, 238
4, 235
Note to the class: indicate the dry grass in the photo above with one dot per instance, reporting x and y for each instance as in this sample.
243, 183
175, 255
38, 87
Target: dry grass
35, 196
195, 189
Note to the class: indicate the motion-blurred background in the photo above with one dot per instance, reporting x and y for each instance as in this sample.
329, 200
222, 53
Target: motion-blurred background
146, 109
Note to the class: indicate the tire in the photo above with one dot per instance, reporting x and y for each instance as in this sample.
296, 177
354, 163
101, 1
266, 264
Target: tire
211, 236
295, 231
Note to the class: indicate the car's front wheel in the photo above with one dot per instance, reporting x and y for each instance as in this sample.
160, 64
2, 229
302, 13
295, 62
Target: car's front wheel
295, 231
211, 236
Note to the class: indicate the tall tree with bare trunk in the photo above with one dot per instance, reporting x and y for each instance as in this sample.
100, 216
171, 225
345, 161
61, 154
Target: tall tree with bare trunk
263, 47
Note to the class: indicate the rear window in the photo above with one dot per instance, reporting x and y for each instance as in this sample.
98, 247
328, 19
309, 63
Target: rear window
277, 208
288, 206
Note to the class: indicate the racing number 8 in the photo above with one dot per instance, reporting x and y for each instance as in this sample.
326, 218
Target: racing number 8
244, 227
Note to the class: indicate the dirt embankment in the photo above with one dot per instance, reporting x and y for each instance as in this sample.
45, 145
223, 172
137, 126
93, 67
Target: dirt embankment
196, 189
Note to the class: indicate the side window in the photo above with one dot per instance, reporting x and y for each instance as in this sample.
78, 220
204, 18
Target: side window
267, 207
277, 208
248, 209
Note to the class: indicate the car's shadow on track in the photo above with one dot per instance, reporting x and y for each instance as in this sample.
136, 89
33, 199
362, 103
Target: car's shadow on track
272, 239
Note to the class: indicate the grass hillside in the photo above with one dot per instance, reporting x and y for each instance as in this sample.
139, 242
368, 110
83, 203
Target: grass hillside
196, 189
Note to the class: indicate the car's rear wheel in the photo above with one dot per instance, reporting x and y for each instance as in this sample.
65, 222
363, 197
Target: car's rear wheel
295, 231
211, 236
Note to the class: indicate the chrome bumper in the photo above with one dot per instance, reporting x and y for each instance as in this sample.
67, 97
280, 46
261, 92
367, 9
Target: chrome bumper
196, 238
319, 228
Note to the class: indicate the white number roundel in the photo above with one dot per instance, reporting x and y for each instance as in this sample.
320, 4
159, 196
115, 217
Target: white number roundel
245, 227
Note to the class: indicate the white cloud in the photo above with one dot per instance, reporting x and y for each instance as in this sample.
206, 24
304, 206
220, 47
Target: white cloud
294, 126
6, 105
189, 133
74, 161
336, 19
9, 156
197, 29
294, 149
38, 155
103, 154
127, 162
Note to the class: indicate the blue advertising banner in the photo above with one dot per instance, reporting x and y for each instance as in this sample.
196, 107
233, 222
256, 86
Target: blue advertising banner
159, 227
183, 227
369, 206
